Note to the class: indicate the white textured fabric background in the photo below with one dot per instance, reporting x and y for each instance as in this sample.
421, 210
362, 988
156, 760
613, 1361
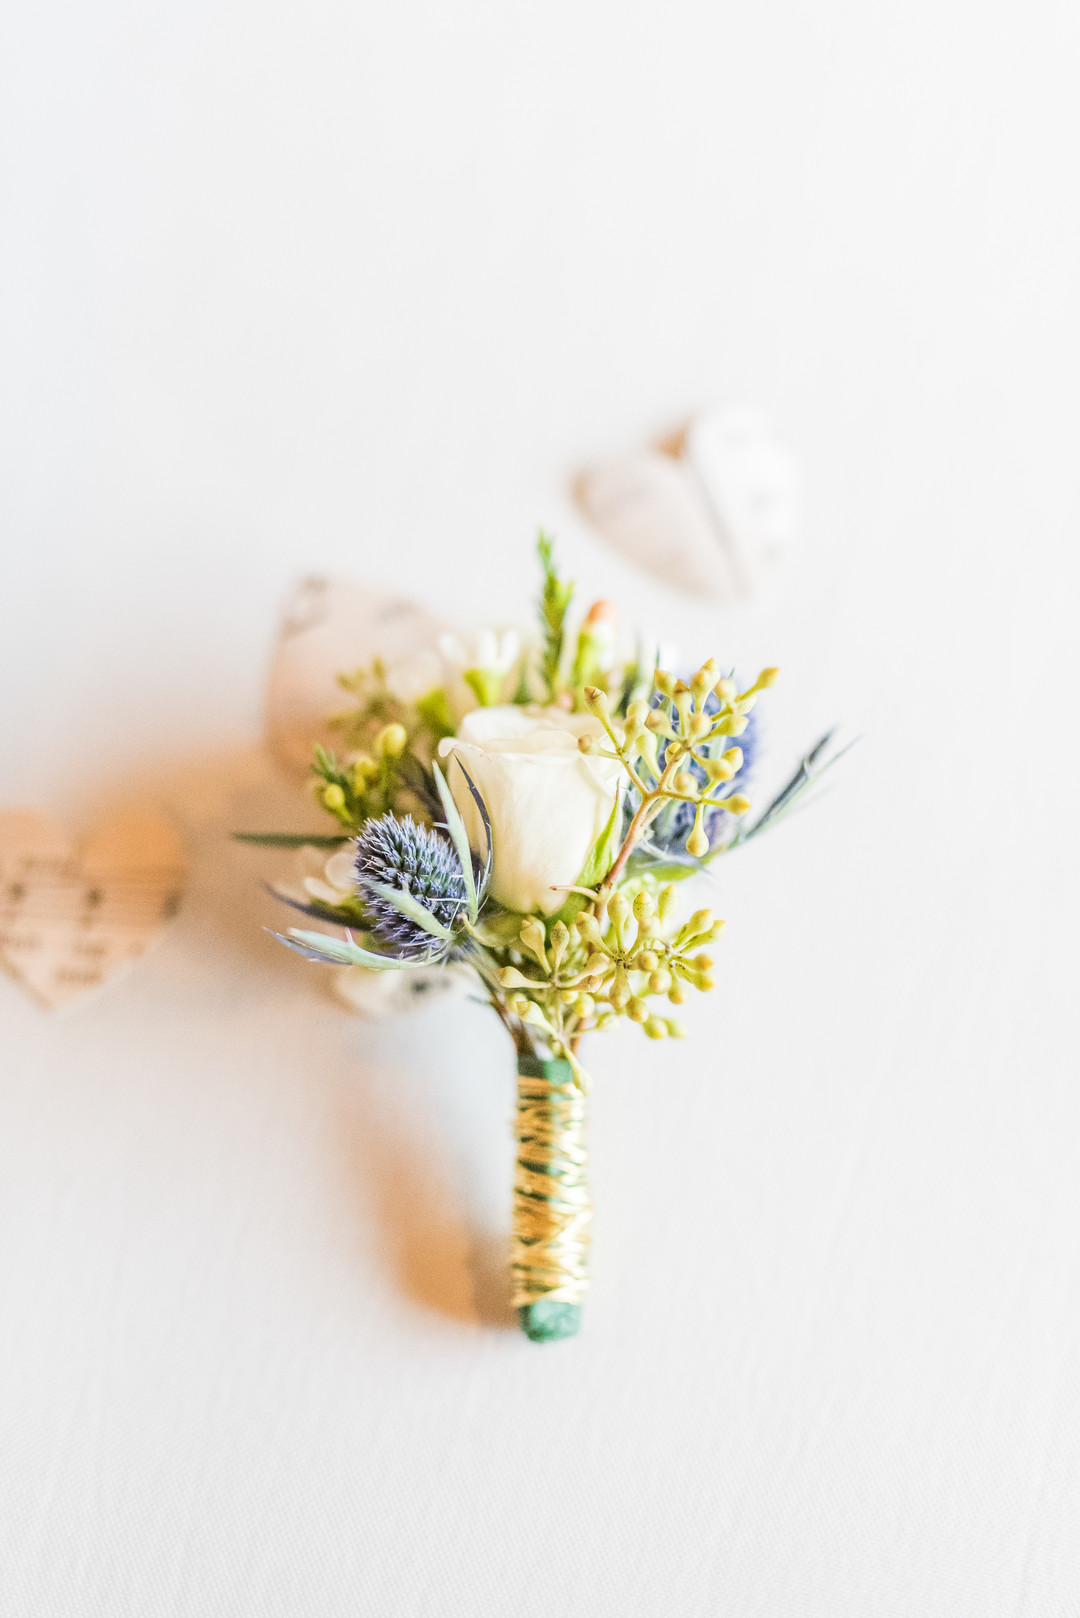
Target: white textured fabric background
358, 289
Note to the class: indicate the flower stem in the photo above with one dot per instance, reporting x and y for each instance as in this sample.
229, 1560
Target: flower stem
646, 809
634, 831
552, 1210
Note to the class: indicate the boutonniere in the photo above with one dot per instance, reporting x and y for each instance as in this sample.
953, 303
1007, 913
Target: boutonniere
530, 819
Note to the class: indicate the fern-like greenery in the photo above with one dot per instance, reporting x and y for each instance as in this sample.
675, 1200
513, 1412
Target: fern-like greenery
555, 599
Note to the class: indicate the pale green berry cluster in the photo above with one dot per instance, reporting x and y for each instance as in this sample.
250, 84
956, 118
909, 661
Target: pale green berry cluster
586, 975
682, 725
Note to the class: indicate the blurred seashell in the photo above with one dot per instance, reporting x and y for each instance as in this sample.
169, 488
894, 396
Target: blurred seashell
373, 995
717, 517
330, 627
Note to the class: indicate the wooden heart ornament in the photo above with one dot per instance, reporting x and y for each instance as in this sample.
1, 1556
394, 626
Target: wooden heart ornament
71, 918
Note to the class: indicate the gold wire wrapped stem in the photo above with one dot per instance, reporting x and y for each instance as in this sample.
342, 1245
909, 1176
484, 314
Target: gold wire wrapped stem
552, 1210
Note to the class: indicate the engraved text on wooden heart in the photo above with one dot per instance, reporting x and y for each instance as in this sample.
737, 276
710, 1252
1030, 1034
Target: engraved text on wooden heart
70, 919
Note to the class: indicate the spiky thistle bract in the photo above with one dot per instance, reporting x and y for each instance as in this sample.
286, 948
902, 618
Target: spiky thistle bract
407, 858
418, 886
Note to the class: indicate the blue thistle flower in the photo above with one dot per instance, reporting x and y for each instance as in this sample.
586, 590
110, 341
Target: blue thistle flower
668, 832
401, 854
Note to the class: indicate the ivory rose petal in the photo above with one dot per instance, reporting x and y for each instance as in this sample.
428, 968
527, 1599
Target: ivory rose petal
548, 802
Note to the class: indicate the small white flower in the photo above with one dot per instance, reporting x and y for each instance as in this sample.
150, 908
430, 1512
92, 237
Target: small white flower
410, 678
495, 651
480, 662
315, 877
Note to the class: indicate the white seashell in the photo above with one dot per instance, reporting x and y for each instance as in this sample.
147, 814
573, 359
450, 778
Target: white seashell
718, 519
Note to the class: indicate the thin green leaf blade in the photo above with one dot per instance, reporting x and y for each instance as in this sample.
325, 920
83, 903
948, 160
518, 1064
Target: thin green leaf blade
289, 839
602, 854
349, 914
341, 952
489, 835
600, 859
455, 825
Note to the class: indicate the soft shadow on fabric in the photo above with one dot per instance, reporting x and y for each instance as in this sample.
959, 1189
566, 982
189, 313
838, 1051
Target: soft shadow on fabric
402, 1172
439, 1258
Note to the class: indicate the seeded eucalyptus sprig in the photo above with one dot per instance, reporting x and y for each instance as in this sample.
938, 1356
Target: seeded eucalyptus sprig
690, 720
575, 980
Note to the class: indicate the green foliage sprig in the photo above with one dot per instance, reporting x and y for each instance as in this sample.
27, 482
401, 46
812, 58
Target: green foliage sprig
568, 981
555, 597
393, 781
689, 732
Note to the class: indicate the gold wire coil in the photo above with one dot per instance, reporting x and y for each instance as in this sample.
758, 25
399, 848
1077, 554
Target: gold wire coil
552, 1210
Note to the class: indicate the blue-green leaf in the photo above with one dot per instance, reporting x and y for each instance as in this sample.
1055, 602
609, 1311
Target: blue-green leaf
455, 825
408, 906
342, 952
486, 820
